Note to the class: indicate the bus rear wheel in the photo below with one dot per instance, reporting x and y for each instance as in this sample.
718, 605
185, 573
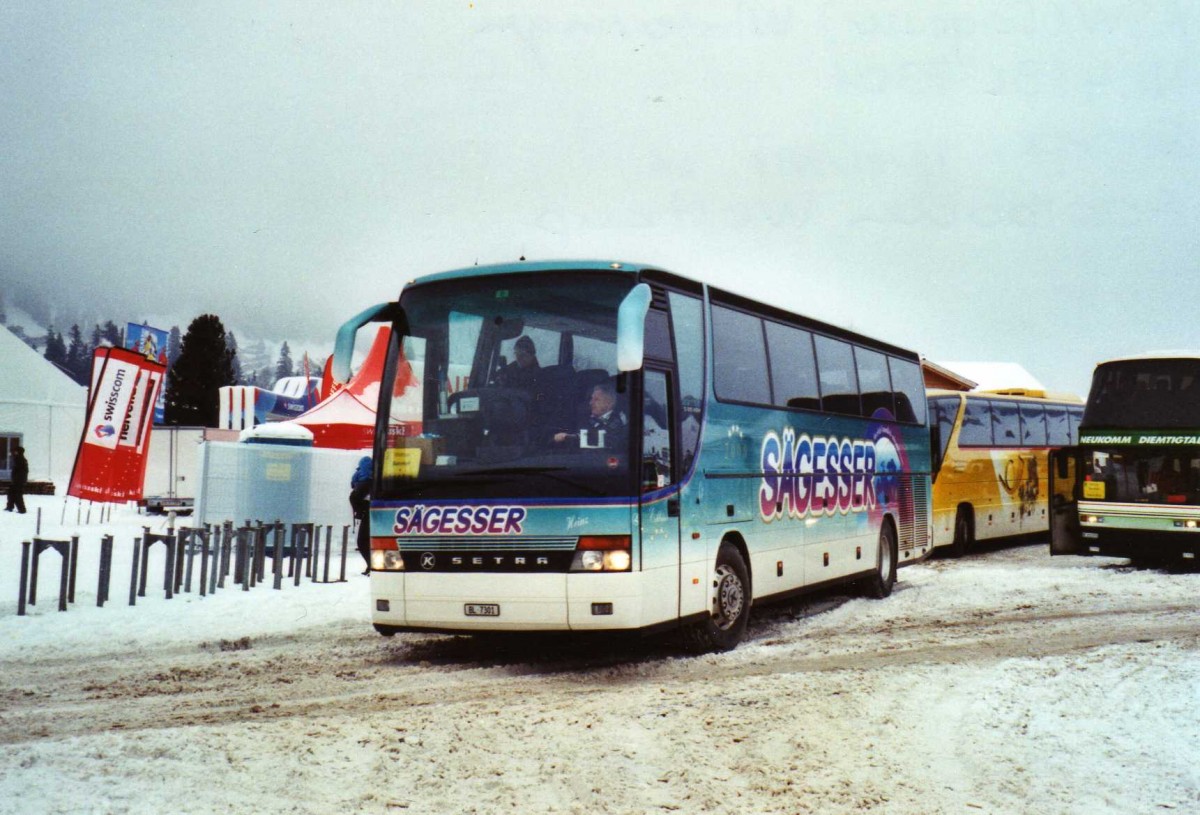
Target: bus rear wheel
726, 624
879, 584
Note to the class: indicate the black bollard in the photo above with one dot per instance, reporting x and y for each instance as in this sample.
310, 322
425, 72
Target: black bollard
106, 547
23, 588
133, 577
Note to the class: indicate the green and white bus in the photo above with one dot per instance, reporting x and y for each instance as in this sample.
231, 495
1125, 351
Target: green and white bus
605, 446
1137, 493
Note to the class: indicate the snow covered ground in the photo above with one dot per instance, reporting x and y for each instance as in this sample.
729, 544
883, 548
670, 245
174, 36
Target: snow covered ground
1007, 682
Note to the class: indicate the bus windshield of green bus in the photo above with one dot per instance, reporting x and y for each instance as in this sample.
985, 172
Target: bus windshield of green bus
508, 387
1154, 394
1145, 475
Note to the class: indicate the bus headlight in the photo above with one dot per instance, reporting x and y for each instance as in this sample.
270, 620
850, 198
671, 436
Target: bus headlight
386, 560
602, 553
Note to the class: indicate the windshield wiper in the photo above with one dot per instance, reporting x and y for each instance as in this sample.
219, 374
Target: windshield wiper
510, 471
552, 472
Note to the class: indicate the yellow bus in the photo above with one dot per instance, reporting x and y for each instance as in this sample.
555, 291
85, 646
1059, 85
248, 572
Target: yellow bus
990, 459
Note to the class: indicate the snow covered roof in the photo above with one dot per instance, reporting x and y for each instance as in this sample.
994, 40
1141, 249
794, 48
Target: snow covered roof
27, 376
991, 376
276, 431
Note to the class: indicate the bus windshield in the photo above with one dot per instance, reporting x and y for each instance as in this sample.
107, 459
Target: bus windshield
1154, 475
508, 387
1149, 393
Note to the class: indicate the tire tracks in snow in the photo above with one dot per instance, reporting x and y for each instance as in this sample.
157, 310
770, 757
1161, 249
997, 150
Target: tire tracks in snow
316, 676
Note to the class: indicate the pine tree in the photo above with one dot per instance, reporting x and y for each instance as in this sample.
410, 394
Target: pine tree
97, 337
204, 366
79, 357
111, 334
56, 349
284, 366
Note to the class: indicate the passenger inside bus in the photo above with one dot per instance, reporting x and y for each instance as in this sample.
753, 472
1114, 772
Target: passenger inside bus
1169, 482
524, 370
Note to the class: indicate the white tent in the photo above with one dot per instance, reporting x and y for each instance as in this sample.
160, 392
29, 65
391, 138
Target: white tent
42, 407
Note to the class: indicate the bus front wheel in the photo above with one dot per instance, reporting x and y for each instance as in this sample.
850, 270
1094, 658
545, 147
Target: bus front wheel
725, 626
963, 537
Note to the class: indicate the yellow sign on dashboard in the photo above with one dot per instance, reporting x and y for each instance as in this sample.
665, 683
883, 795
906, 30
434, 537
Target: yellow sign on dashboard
402, 463
1094, 490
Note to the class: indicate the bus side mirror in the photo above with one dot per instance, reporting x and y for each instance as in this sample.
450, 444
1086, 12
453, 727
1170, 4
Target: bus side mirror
1063, 462
631, 328
343, 346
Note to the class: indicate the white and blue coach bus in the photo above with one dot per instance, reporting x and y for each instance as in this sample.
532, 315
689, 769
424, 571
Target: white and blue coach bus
596, 446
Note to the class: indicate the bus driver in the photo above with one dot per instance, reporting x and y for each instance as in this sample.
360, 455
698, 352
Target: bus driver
605, 426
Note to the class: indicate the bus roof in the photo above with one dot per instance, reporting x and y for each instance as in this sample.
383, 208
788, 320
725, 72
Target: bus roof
1153, 355
1011, 393
618, 266
523, 266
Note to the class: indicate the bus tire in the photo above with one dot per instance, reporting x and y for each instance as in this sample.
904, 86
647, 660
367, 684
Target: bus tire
880, 583
725, 626
964, 539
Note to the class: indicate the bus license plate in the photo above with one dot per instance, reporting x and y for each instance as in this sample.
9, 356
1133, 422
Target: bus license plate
482, 609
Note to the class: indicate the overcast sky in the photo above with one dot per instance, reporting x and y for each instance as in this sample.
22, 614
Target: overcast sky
1002, 181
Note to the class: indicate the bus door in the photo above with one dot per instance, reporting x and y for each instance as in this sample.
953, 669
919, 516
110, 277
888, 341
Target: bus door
1065, 475
658, 480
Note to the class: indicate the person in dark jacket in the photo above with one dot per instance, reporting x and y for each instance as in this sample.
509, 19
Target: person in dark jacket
360, 503
604, 416
524, 371
20, 477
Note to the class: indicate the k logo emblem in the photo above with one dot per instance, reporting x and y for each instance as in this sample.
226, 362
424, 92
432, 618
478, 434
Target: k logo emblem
428, 561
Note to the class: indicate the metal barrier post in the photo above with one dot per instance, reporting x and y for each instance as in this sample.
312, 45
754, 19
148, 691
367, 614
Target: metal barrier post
205, 540
303, 551
106, 547
314, 555
277, 566
221, 566
66, 579
242, 567
345, 549
74, 565
178, 558
328, 551
22, 595
133, 577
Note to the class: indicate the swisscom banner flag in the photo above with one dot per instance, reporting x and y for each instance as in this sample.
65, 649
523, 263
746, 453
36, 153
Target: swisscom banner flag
110, 464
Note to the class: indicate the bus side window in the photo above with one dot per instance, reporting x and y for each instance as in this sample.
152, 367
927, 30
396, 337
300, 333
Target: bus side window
740, 357
1033, 425
837, 376
1006, 424
976, 428
909, 391
875, 384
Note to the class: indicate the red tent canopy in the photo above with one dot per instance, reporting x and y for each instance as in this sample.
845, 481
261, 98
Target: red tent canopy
345, 419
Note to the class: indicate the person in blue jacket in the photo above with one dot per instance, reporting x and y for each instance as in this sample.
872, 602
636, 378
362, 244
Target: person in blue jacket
360, 503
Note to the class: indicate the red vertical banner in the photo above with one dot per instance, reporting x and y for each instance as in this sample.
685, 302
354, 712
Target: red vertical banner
110, 464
